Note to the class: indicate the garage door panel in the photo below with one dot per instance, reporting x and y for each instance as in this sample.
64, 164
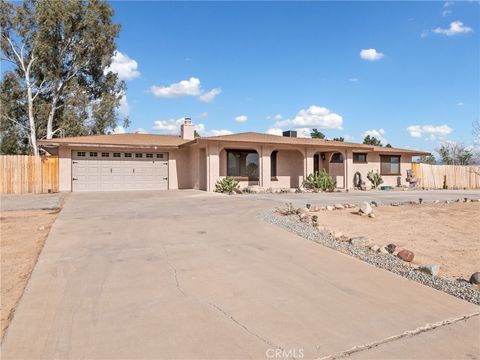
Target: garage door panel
106, 172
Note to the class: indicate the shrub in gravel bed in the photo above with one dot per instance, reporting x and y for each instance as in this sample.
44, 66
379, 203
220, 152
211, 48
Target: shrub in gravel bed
462, 290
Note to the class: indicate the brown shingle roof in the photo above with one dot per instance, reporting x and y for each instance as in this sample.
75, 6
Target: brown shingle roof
150, 140
120, 140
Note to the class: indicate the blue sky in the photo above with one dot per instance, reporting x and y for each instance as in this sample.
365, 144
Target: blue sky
266, 66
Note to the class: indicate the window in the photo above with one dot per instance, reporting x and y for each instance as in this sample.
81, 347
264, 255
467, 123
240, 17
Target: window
116, 154
128, 154
389, 164
105, 154
80, 153
149, 156
137, 155
337, 158
359, 157
93, 154
242, 163
273, 164
159, 156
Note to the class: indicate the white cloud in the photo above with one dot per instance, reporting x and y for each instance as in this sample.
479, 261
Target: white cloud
203, 115
456, 28
241, 118
379, 134
303, 132
125, 67
371, 54
210, 95
190, 87
446, 12
124, 107
276, 117
219, 132
274, 131
354, 79
119, 130
348, 137
315, 116
460, 103
432, 131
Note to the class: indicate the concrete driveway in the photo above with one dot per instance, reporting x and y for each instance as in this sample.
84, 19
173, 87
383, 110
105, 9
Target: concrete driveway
190, 275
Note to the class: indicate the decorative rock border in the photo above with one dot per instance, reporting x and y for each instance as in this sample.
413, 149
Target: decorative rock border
460, 289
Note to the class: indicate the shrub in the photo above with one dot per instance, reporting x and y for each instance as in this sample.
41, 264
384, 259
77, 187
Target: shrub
319, 181
227, 185
287, 210
375, 178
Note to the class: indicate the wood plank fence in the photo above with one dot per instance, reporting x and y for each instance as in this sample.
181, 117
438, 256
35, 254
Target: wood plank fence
22, 174
456, 176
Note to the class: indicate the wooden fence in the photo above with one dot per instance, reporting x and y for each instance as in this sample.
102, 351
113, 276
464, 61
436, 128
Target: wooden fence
456, 176
22, 174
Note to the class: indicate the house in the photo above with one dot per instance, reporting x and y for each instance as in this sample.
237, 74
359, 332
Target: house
162, 162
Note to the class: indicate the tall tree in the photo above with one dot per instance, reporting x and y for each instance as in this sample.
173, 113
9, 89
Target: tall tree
315, 134
341, 139
453, 153
372, 140
60, 51
427, 159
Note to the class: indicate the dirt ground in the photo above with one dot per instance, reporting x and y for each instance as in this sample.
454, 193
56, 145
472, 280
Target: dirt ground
23, 234
444, 234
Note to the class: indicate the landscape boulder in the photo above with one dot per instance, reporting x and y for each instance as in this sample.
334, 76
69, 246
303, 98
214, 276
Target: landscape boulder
366, 208
330, 208
374, 248
395, 204
475, 278
361, 241
406, 255
390, 248
383, 250
339, 206
430, 269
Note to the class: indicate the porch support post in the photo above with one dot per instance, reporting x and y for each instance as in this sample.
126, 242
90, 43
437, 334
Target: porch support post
346, 167
213, 166
265, 168
309, 166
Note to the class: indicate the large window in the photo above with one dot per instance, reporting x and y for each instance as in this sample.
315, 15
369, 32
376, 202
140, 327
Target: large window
337, 158
389, 164
273, 164
242, 163
359, 157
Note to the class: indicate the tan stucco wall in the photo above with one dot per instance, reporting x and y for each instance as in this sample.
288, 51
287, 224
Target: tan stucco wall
290, 173
64, 168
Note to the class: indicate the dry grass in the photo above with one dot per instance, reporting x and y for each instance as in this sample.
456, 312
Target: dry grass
23, 234
444, 234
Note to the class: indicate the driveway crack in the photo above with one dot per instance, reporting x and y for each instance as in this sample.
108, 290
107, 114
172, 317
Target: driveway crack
408, 333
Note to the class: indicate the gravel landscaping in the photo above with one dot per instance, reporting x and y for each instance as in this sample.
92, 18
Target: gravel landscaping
460, 289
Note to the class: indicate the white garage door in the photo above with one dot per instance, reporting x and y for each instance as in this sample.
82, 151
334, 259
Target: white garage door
113, 171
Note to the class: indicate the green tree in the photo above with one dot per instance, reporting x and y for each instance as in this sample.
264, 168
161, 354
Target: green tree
341, 138
372, 140
315, 134
453, 153
388, 145
60, 51
427, 159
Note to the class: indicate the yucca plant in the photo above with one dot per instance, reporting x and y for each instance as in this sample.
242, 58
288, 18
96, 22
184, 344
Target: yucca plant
227, 185
319, 181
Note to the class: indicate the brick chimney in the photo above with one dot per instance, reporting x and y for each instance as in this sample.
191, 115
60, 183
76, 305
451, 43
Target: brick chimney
188, 132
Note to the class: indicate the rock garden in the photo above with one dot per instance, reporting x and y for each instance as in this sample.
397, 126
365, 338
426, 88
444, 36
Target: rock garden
434, 243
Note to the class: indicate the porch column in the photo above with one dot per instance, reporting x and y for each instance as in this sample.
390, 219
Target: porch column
346, 166
265, 175
349, 169
308, 164
213, 166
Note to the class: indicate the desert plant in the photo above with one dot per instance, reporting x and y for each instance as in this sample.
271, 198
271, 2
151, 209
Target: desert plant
227, 185
287, 210
319, 181
375, 178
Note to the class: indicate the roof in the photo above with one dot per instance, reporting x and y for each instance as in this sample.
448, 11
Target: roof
143, 140
169, 141
253, 137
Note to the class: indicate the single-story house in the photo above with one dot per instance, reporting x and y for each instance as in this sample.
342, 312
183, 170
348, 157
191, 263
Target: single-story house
162, 162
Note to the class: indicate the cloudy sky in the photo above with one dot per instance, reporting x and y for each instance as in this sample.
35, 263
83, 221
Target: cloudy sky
407, 73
